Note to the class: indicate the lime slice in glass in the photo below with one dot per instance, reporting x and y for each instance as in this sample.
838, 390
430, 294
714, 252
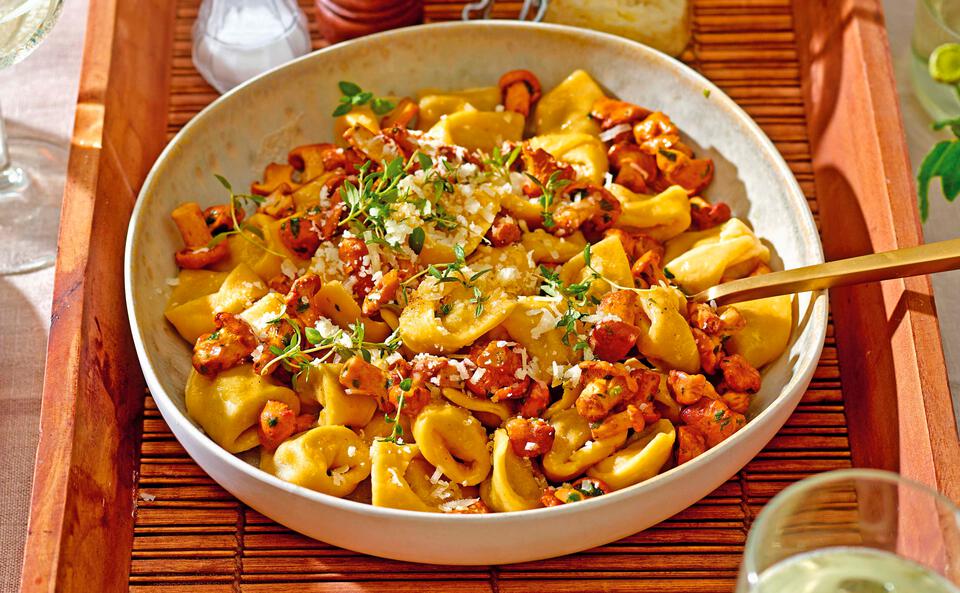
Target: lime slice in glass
945, 63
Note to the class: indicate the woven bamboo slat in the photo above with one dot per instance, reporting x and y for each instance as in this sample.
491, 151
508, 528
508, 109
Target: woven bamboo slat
119, 506
190, 535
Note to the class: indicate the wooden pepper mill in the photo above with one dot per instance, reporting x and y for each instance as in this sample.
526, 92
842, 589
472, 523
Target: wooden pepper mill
345, 19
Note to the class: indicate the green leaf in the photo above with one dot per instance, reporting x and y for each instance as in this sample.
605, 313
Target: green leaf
223, 181
361, 98
342, 109
313, 336
512, 158
406, 384
217, 239
459, 254
348, 88
416, 239
950, 172
586, 255
253, 230
943, 161
479, 274
425, 161
381, 106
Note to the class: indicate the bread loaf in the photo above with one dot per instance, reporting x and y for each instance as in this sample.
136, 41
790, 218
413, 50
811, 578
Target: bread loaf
661, 24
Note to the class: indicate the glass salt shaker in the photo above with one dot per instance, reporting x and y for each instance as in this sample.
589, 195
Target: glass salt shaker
234, 40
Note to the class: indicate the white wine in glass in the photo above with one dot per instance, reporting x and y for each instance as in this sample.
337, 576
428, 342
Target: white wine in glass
854, 531
31, 169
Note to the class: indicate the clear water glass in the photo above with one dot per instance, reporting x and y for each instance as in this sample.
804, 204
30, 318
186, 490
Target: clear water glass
235, 40
936, 22
31, 169
854, 531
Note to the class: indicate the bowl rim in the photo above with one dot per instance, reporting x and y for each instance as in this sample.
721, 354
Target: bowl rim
817, 322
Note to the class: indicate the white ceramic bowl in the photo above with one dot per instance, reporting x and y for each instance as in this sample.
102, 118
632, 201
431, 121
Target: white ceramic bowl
258, 122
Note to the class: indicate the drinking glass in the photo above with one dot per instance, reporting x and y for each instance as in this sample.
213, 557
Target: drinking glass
937, 22
854, 531
31, 169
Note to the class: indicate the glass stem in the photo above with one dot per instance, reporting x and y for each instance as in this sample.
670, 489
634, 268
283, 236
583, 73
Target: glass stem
4, 154
12, 179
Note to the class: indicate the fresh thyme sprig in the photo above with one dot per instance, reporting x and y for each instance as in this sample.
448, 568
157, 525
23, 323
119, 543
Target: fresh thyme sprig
295, 357
574, 296
370, 202
548, 194
397, 433
452, 272
243, 229
433, 210
354, 96
501, 163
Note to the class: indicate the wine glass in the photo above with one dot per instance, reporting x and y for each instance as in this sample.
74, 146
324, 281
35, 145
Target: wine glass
854, 531
31, 169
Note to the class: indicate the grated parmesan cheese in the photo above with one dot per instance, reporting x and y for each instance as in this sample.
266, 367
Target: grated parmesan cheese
609, 135
458, 505
337, 475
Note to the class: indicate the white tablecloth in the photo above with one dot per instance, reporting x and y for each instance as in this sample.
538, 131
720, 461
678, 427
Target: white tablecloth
38, 96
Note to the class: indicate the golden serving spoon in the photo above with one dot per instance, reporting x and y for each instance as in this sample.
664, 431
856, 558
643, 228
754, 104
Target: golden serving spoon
941, 256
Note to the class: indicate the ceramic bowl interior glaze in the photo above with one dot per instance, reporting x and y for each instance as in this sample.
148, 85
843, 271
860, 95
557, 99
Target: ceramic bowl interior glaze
260, 121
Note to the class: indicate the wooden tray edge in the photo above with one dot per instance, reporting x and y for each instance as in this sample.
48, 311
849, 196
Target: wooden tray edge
890, 350
81, 512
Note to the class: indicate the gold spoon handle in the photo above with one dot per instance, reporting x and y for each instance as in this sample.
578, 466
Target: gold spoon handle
899, 263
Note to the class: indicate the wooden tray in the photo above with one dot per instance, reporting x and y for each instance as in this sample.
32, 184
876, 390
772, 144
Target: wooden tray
118, 505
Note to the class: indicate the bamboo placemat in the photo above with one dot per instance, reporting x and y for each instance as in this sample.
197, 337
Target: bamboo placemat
191, 535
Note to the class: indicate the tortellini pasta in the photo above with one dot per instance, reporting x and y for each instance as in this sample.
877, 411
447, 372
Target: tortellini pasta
453, 440
478, 130
239, 290
441, 317
488, 412
322, 385
769, 322
662, 216
667, 338
193, 284
544, 247
608, 258
329, 459
585, 152
439, 244
574, 449
402, 479
513, 485
227, 406
337, 304
532, 324
566, 108
389, 485
644, 454
699, 259
435, 104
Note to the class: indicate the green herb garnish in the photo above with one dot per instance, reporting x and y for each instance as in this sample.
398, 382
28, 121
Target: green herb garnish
354, 96
943, 161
